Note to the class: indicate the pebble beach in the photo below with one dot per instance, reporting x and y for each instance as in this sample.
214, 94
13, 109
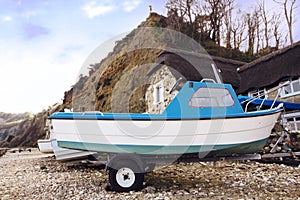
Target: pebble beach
33, 175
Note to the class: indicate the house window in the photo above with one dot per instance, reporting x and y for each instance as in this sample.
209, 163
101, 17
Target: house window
258, 93
211, 97
293, 121
292, 89
158, 92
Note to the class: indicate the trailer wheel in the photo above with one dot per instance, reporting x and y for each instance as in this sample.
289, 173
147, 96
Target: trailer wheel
124, 177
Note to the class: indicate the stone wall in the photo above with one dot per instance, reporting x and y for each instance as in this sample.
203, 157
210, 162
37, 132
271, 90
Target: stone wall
168, 81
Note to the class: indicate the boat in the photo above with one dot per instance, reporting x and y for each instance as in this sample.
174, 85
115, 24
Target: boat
45, 146
203, 118
67, 155
49, 145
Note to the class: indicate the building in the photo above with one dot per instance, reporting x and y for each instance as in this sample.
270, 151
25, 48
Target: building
265, 73
175, 67
252, 79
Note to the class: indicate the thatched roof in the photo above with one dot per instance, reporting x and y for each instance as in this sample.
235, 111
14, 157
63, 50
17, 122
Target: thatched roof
269, 70
196, 66
229, 70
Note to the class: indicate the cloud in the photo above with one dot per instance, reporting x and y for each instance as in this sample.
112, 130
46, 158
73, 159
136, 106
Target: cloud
29, 14
93, 10
33, 31
129, 6
7, 19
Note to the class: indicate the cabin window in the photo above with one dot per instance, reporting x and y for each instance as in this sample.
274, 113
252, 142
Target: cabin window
258, 93
211, 97
290, 90
293, 121
158, 92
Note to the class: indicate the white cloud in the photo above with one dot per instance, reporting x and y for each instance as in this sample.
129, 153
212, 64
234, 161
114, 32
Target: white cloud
27, 70
93, 10
129, 6
29, 14
7, 19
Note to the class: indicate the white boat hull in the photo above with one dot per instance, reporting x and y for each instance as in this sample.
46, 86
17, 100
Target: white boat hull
163, 136
64, 154
45, 146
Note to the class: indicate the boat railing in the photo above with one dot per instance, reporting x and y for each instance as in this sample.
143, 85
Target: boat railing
208, 80
278, 88
176, 85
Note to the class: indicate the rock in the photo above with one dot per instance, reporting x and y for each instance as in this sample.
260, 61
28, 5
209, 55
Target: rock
278, 149
6, 197
267, 149
149, 189
234, 180
2, 153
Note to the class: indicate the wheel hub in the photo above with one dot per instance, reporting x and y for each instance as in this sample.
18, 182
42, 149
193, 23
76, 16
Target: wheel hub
125, 177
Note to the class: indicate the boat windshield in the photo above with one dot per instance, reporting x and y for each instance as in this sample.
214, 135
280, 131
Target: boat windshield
211, 97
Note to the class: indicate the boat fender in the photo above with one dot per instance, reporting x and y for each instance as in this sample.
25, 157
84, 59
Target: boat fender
134, 158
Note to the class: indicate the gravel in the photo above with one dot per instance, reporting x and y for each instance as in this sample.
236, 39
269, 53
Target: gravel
32, 175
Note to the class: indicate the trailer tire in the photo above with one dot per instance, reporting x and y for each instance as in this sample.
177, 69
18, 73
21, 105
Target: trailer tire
124, 177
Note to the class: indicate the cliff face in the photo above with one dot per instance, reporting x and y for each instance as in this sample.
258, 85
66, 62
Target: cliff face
118, 83
9, 125
23, 130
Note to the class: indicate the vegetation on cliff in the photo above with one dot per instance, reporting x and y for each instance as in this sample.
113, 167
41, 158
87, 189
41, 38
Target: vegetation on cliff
119, 73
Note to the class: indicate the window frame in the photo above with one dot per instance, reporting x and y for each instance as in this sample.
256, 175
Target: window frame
218, 106
158, 93
287, 119
283, 94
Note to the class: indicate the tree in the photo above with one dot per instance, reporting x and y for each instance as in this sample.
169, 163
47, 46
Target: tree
252, 24
288, 6
215, 10
218, 21
237, 29
228, 23
256, 18
275, 24
264, 17
181, 11
184, 8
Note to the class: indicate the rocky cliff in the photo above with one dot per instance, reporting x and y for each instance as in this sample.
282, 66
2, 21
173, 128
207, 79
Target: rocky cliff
23, 130
118, 82
10, 124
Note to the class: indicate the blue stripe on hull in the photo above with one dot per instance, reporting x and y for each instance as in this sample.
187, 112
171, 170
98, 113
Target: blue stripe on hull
251, 147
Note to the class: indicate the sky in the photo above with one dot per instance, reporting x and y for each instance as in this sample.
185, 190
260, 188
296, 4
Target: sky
43, 44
